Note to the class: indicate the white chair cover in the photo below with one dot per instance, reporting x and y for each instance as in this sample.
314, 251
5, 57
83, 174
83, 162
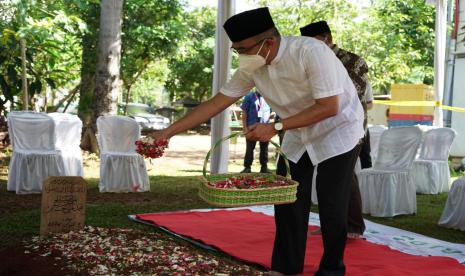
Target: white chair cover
68, 138
387, 189
375, 134
430, 171
35, 156
453, 215
121, 168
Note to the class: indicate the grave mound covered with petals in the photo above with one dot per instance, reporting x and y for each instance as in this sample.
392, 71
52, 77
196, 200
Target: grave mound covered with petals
101, 251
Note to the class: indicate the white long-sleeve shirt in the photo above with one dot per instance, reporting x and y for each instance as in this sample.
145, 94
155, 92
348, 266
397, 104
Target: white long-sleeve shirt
304, 70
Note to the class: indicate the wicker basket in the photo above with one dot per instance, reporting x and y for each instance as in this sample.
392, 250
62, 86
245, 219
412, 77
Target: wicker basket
225, 197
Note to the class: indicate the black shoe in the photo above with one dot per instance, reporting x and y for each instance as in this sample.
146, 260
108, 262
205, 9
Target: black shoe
264, 169
246, 170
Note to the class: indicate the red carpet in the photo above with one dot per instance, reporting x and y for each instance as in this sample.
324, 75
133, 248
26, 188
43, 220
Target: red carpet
249, 236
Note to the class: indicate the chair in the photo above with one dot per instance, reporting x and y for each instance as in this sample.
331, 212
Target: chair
387, 189
375, 134
68, 138
121, 168
453, 215
35, 156
430, 171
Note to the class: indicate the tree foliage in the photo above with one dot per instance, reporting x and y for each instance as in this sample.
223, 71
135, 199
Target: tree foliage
149, 87
401, 45
167, 45
52, 38
191, 68
395, 37
151, 31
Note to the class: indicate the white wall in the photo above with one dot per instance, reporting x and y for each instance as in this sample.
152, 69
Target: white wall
377, 115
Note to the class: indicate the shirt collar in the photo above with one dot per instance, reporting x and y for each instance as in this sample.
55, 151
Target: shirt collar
282, 47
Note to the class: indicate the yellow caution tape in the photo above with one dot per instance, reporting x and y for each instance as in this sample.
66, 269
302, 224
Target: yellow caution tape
420, 103
452, 108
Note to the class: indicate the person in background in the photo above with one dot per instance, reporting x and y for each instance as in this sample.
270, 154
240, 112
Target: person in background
365, 151
255, 110
358, 72
307, 86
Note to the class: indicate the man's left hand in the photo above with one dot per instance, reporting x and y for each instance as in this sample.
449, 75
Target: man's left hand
261, 132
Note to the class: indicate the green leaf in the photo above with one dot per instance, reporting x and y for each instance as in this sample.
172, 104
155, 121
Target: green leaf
50, 83
35, 88
12, 74
6, 88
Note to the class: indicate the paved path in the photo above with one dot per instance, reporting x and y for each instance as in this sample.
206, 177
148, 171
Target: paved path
186, 154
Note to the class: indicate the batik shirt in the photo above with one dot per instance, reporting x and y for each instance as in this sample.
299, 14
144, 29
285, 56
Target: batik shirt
358, 73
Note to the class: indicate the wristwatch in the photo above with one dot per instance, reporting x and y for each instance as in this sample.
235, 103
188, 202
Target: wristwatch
278, 126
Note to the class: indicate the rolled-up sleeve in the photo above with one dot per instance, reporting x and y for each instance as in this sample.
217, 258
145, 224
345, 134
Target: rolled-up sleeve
239, 85
324, 72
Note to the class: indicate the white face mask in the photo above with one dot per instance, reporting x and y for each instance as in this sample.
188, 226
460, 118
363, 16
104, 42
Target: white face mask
250, 63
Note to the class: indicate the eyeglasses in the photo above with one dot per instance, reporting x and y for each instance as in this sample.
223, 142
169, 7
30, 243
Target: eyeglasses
242, 50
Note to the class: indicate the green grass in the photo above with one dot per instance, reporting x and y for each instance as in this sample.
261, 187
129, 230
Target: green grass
425, 222
20, 214
102, 209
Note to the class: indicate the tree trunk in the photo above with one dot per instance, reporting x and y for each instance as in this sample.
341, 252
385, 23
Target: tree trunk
24, 74
107, 76
107, 82
126, 102
68, 98
89, 63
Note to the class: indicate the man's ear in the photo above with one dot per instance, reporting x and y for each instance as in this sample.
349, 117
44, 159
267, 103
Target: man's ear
330, 39
270, 41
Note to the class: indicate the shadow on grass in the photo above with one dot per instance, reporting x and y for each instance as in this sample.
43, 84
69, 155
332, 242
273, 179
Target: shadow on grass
196, 171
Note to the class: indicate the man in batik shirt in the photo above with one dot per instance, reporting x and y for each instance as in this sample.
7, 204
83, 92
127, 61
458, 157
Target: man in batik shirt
358, 72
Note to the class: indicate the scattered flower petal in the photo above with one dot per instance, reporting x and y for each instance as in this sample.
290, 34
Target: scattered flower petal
100, 251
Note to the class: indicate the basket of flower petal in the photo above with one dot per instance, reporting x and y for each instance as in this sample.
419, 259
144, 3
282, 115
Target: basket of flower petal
245, 189
149, 148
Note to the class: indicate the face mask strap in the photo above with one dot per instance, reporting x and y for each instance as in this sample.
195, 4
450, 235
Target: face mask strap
263, 43
267, 54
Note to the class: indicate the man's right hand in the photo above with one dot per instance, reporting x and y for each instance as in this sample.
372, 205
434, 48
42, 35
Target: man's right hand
159, 135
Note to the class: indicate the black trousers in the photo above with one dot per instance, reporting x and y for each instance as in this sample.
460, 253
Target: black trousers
249, 149
365, 156
355, 221
333, 184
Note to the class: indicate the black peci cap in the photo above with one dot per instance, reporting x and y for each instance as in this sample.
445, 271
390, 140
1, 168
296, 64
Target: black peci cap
248, 24
315, 28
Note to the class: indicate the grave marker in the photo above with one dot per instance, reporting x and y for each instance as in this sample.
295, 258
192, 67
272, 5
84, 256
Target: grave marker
63, 204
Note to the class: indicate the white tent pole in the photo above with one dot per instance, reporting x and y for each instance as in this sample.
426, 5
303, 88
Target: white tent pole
222, 65
439, 57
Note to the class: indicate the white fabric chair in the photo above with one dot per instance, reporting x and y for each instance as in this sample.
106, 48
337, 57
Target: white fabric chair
68, 130
387, 189
453, 215
375, 134
121, 168
35, 156
430, 170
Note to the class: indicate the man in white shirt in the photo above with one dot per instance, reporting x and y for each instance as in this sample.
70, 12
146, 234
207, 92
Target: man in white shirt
309, 89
